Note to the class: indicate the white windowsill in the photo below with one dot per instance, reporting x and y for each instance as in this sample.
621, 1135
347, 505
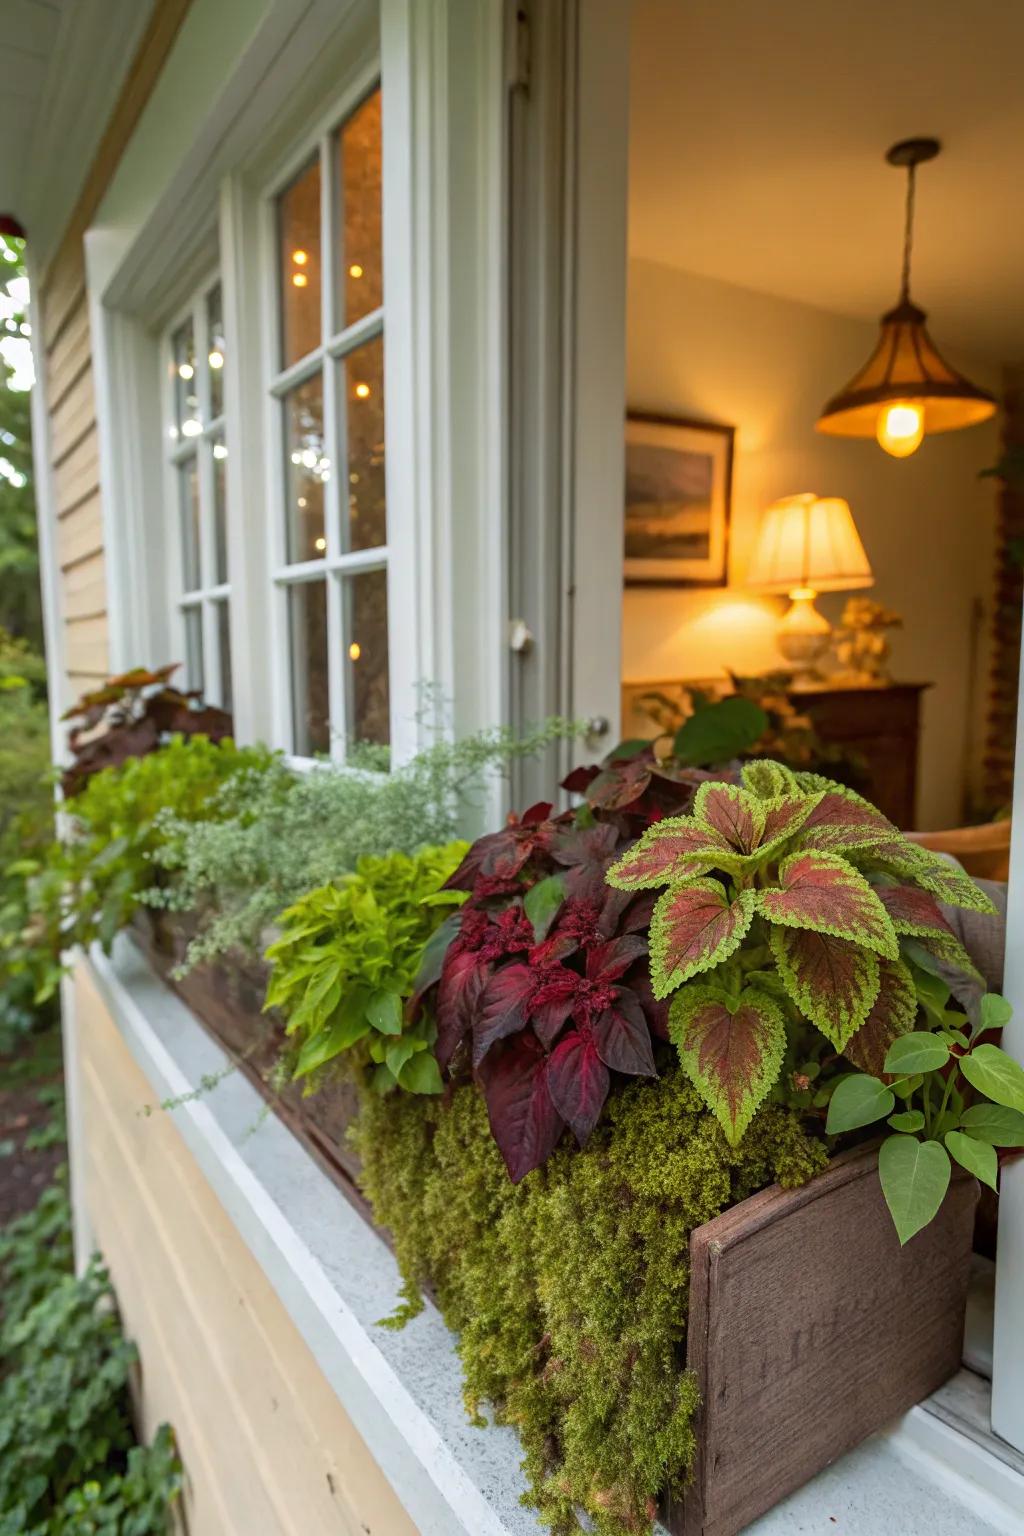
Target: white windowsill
938, 1471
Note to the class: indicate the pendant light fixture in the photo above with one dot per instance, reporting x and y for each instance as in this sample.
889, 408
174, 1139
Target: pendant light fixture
905, 388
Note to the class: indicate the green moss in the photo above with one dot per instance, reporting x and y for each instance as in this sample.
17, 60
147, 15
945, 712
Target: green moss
569, 1292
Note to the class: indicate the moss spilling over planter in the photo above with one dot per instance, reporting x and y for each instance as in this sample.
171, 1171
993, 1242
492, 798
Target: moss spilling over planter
569, 1292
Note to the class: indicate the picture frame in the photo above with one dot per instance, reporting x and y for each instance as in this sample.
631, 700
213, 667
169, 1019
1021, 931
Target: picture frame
678, 495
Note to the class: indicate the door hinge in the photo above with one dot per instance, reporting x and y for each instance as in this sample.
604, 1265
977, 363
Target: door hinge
519, 49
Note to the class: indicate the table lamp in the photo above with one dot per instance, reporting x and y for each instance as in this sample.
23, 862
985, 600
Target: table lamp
807, 544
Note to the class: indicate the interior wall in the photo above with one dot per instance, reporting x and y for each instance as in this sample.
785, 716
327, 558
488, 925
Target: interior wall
712, 351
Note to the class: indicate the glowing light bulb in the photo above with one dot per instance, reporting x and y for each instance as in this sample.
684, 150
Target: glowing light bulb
309, 458
299, 279
320, 543
220, 451
301, 501
362, 391
355, 650
900, 428
355, 270
216, 359
185, 371
300, 258
191, 428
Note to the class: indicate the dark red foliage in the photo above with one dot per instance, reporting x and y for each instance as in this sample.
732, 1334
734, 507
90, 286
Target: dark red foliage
547, 1017
129, 717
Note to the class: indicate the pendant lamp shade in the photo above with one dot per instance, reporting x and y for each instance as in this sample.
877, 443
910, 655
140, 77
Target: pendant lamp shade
906, 389
906, 366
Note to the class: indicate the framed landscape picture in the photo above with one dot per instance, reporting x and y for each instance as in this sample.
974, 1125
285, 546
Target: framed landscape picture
678, 490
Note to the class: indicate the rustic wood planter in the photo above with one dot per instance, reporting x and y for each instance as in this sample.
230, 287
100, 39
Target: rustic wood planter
809, 1327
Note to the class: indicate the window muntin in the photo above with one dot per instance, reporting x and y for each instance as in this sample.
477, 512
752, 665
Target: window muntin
197, 468
331, 534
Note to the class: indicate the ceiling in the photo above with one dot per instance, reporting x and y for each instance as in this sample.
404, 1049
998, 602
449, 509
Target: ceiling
28, 32
758, 133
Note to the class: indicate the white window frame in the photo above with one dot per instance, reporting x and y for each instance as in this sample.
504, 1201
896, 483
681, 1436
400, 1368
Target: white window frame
334, 346
209, 595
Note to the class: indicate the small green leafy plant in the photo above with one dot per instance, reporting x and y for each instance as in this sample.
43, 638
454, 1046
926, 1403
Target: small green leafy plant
347, 957
69, 1465
960, 1097
790, 901
86, 887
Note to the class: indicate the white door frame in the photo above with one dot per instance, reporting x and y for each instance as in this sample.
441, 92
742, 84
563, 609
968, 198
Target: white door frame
568, 141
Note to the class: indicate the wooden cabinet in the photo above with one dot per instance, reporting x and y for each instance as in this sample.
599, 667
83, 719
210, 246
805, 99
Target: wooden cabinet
883, 727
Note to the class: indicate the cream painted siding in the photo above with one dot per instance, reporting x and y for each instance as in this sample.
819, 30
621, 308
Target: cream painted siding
267, 1447
74, 466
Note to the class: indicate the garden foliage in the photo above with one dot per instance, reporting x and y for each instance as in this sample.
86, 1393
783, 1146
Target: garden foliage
266, 849
346, 961
69, 1463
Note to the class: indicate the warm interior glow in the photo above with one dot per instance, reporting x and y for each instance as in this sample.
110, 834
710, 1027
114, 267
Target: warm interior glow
300, 258
355, 270
216, 359
320, 543
900, 428
363, 391
299, 279
355, 650
185, 371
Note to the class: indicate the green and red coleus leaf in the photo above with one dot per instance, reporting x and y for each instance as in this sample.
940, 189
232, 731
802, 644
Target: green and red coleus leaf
694, 928
917, 914
677, 846
892, 1014
730, 1048
523, 1118
908, 862
832, 981
823, 893
842, 822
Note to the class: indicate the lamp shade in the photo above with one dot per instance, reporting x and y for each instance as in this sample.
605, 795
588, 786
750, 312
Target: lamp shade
809, 542
906, 366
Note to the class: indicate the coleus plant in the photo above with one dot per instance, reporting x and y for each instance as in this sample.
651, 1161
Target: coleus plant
131, 715
539, 983
789, 901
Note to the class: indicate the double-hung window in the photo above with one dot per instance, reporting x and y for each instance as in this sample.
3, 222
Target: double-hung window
197, 473
330, 544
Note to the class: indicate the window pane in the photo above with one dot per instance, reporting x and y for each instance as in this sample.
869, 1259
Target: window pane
186, 383
307, 622
194, 647
366, 663
362, 375
224, 648
360, 180
308, 469
188, 502
299, 226
217, 350
220, 510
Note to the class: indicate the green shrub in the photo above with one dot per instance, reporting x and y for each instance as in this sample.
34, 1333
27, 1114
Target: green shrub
348, 957
69, 1465
569, 1291
87, 887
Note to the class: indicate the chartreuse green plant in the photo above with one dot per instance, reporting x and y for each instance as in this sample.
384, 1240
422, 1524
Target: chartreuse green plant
960, 1098
347, 958
87, 886
790, 902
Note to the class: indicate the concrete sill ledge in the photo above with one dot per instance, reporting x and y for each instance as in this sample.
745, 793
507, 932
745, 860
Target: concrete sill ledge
932, 1473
